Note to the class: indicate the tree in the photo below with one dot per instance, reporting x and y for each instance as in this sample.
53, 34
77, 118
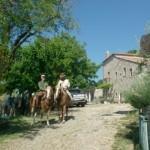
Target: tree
134, 51
138, 95
4, 62
106, 87
22, 19
62, 53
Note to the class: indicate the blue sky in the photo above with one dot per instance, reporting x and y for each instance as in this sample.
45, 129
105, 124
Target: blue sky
114, 25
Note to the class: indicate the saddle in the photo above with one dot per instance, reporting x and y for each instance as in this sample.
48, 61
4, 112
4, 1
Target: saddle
40, 96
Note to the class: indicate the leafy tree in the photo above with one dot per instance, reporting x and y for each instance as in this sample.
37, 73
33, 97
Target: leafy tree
105, 86
62, 53
4, 62
138, 96
22, 19
134, 51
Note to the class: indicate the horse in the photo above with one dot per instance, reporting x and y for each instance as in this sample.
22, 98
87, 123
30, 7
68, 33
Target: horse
7, 106
63, 102
23, 104
42, 102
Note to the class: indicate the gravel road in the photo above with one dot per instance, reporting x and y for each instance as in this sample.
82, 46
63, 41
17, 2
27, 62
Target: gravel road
89, 128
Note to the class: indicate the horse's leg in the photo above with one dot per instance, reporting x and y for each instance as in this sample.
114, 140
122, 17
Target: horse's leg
63, 113
48, 113
41, 116
59, 113
10, 112
33, 110
66, 113
33, 115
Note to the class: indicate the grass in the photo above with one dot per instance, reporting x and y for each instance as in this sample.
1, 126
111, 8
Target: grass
127, 137
13, 128
20, 126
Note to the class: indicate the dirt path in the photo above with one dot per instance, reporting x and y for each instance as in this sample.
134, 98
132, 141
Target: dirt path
90, 128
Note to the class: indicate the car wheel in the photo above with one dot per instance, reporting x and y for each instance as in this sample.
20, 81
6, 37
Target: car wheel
77, 105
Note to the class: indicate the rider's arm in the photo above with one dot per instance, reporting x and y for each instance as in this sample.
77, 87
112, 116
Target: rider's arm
66, 84
59, 84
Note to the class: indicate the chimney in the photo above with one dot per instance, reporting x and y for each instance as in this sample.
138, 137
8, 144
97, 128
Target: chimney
107, 54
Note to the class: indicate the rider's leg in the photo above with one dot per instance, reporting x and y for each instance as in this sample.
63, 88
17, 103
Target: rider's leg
56, 94
69, 94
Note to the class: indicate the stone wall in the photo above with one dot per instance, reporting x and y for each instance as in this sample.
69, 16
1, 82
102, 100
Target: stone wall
121, 74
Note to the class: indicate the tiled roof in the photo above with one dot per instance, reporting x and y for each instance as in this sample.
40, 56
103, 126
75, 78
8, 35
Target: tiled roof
125, 56
136, 59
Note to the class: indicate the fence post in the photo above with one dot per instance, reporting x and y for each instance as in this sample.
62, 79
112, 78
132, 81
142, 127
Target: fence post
143, 133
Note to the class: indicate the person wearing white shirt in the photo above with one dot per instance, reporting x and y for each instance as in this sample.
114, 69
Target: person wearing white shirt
65, 84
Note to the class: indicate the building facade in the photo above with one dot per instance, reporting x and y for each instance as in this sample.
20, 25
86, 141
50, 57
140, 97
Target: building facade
121, 70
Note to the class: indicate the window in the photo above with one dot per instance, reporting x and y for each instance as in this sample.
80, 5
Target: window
131, 73
124, 69
108, 76
116, 74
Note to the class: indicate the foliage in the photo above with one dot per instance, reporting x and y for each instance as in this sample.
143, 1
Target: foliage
134, 51
127, 135
22, 19
16, 127
105, 85
62, 53
4, 62
99, 82
138, 95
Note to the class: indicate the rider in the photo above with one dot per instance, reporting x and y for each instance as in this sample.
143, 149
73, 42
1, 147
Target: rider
65, 84
42, 93
42, 83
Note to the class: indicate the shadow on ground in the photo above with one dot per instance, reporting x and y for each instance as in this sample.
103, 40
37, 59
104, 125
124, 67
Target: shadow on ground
128, 131
107, 115
125, 112
20, 127
133, 134
120, 113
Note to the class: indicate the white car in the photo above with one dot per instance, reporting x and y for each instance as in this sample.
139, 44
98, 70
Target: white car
79, 98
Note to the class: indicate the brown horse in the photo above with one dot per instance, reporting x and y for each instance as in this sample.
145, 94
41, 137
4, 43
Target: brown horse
63, 101
42, 102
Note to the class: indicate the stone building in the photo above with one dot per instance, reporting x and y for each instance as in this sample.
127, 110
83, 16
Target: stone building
121, 70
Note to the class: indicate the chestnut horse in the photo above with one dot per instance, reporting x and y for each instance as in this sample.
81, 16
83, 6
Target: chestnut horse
63, 102
42, 102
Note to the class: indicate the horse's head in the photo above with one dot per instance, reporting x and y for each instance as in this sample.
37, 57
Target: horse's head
60, 92
50, 92
57, 92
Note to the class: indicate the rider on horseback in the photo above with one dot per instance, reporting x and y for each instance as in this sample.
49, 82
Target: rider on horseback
42, 93
65, 84
42, 83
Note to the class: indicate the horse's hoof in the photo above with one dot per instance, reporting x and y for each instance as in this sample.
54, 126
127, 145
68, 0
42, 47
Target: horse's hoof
59, 121
47, 126
63, 121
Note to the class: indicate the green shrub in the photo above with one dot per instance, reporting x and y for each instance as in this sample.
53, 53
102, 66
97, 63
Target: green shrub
139, 94
105, 85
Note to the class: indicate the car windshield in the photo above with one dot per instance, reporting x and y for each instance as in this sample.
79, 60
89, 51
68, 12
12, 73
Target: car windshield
75, 91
